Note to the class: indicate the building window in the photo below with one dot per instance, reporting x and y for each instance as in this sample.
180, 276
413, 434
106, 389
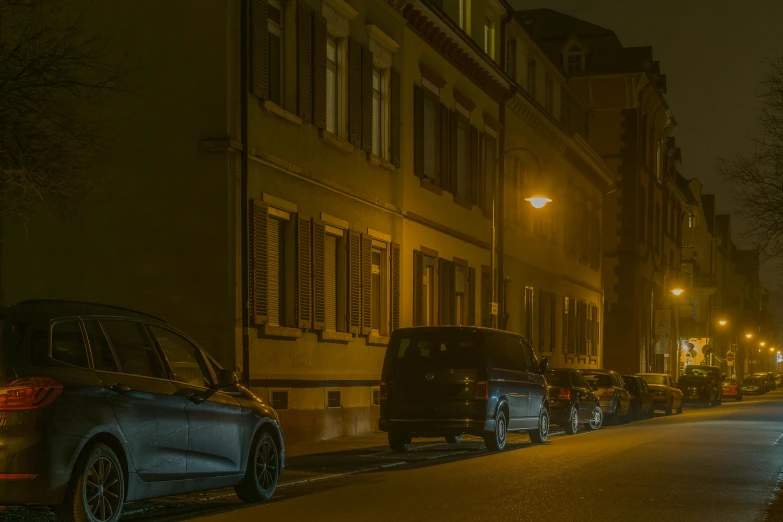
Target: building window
378, 289
280, 400
574, 60
275, 233
376, 397
335, 271
460, 282
549, 93
333, 86
527, 327
333, 399
430, 137
489, 37
462, 155
276, 50
511, 58
377, 114
568, 326
531, 78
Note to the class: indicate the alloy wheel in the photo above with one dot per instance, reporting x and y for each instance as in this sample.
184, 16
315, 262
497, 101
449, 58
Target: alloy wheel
102, 489
597, 419
575, 420
266, 465
500, 432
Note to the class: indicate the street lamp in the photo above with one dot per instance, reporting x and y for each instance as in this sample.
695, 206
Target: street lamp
762, 343
677, 291
722, 322
748, 335
538, 201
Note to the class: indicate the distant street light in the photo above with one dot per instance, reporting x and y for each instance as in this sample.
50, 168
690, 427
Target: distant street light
678, 291
538, 201
722, 322
762, 343
748, 335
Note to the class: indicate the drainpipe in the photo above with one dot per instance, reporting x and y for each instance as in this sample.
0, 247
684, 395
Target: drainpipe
245, 250
502, 322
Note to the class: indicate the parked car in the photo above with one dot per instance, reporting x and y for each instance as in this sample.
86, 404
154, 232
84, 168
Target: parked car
572, 401
752, 386
667, 396
642, 398
732, 389
777, 379
609, 387
767, 379
702, 384
101, 405
447, 381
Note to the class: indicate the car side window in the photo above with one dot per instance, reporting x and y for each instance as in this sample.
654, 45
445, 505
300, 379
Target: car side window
133, 348
579, 380
68, 344
185, 359
102, 354
530, 358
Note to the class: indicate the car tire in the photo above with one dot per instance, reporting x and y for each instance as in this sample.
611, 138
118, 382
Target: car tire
540, 434
98, 465
669, 407
262, 472
739, 397
597, 420
573, 421
453, 439
496, 440
651, 412
399, 442
679, 408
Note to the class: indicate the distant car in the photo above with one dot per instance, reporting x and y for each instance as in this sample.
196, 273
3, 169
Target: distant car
767, 378
778, 379
446, 381
752, 386
732, 389
101, 405
667, 397
702, 384
572, 401
642, 398
609, 387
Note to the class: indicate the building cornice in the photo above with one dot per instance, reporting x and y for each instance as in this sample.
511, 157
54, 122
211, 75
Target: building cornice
342, 8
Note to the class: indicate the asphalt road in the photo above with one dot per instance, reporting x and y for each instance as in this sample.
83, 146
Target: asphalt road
720, 463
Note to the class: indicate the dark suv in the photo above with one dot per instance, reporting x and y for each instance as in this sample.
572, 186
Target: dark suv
101, 405
448, 381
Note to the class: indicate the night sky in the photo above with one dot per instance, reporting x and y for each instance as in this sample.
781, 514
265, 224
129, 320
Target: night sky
712, 52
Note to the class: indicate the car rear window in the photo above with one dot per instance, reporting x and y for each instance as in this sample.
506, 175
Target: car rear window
557, 379
654, 379
701, 372
436, 348
599, 379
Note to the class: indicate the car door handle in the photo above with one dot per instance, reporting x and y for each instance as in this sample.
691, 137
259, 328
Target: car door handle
119, 388
197, 399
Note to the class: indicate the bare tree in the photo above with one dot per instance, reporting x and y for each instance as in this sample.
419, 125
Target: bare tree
757, 176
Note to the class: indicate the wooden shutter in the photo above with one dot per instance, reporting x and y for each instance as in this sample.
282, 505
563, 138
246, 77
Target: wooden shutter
354, 92
319, 305
566, 323
304, 58
354, 281
471, 296
418, 274
330, 282
418, 131
395, 286
259, 44
258, 262
395, 113
366, 284
443, 152
453, 120
275, 316
367, 96
304, 274
474, 165
319, 71
446, 294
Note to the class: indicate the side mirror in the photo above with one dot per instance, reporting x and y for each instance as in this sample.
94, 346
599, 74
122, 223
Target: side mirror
226, 379
543, 365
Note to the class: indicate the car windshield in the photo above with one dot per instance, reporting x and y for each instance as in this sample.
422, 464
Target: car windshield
598, 379
557, 379
435, 348
655, 379
751, 380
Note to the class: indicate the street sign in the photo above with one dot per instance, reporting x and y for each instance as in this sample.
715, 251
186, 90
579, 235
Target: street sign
730, 357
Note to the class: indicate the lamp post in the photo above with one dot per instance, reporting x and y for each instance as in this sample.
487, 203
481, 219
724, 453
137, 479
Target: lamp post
723, 323
749, 352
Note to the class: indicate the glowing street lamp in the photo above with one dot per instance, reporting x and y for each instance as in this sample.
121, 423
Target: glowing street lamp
538, 201
748, 335
722, 322
677, 291
762, 343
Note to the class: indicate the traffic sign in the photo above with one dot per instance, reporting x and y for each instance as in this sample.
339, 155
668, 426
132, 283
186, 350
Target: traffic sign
730, 357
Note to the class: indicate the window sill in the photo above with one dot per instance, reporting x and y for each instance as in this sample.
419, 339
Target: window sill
377, 340
380, 162
336, 141
279, 332
463, 202
281, 112
429, 185
329, 336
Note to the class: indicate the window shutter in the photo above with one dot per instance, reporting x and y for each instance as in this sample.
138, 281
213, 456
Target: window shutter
319, 71
395, 114
319, 282
418, 131
354, 281
259, 44
453, 152
366, 284
258, 262
471, 296
445, 156
566, 325
444, 301
354, 93
304, 56
474, 165
304, 285
366, 100
418, 261
395, 286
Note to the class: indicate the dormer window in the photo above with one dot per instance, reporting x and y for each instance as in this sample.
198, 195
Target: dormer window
575, 60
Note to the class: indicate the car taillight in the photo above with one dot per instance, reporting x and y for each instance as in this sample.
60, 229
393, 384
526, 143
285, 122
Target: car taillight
565, 393
29, 393
384, 391
608, 393
482, 390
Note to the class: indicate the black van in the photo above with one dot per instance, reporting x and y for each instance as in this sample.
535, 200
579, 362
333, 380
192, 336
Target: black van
446, 381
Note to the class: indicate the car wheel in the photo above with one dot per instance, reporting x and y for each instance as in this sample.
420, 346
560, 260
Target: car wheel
540, 435
453, 439
97, 489
399, 441
597, 421
263, 470
651, 411
739, 397
669, 407
573, 421
496, 441
679, 408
